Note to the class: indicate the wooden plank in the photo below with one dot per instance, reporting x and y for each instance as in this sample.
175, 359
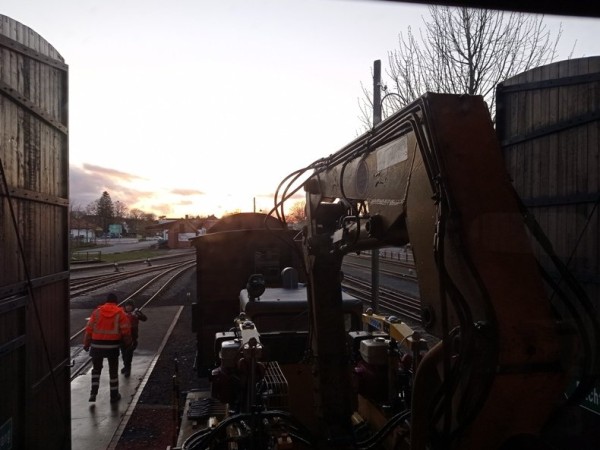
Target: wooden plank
552, 144
571, 165
521, 124
514, 152
560, 171
537, 155
10, 160
577, 221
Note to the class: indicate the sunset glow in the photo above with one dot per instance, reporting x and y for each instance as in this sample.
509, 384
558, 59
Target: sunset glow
198, 108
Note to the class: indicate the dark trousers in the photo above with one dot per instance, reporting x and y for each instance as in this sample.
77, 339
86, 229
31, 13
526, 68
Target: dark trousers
113, 370
127, 353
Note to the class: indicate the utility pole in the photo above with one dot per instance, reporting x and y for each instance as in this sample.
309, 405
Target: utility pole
376, 120
376, 92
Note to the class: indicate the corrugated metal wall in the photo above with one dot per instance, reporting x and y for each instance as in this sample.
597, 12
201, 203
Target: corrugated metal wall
34, 265
548, 122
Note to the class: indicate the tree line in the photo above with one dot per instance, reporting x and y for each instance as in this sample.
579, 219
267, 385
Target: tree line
103, 212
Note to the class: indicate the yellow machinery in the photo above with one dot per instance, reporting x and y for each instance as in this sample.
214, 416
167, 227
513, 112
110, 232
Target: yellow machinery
431, 175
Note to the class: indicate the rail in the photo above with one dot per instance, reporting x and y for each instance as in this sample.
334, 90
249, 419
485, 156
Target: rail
390, 301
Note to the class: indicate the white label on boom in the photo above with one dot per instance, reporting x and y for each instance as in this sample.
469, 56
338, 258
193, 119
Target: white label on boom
392, 153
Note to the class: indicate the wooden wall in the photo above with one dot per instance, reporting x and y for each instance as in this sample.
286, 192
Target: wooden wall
548, 122
34, 265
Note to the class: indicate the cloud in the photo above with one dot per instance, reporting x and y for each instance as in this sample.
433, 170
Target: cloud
162, 209
296, 197
87, 183
187, 192
110, 173
84, 188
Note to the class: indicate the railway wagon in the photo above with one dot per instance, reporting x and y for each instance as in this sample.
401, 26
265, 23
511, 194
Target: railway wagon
34, 264
234, 248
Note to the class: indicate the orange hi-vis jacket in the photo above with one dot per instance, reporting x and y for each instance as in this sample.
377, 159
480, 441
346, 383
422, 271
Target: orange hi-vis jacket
108, 326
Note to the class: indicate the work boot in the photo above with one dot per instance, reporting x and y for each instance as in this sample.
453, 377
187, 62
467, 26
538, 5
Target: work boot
115, 398
92, 397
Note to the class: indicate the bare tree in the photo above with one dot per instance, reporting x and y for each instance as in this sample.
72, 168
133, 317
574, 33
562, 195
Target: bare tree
120, 210
76, 211
135, 220
462, 51
137, 214
297, 213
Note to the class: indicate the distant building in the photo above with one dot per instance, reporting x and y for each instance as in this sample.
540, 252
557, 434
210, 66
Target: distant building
207, 224
178, 232
83, 235
115, 230
82, 231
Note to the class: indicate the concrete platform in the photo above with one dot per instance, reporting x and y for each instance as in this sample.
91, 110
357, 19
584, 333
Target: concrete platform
98, 426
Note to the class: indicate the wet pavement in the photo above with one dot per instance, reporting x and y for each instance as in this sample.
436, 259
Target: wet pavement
98, 425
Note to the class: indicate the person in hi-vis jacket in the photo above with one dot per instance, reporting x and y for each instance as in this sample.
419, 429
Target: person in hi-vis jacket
108, 328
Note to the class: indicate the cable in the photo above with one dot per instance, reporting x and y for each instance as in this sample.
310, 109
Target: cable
278, 205
425, 136
203, 438
373, 441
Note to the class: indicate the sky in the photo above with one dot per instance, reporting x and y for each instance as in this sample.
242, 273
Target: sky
196, 107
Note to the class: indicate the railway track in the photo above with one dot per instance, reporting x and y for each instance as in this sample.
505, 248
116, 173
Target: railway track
91, 283
397, 264
406, 269
390, 301
392, 262
166, 275
392, 256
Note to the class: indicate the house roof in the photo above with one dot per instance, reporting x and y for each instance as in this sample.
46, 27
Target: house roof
189, 225
81, 224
